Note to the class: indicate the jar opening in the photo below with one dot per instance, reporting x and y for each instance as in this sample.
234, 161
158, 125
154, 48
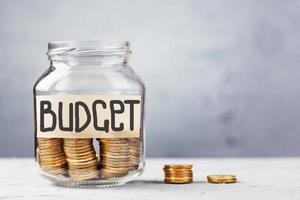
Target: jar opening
114, 52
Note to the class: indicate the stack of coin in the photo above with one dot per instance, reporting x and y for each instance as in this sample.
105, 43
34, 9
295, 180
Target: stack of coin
178, 174
134, 152
81, 157
51, 156
114, 157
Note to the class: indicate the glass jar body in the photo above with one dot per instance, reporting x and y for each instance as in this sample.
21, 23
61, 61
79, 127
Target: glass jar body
92, 161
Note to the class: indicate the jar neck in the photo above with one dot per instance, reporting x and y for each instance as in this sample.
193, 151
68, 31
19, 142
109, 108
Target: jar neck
88, 63
74, 53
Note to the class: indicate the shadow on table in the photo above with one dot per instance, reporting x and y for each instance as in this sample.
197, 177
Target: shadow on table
153, 182
146, 184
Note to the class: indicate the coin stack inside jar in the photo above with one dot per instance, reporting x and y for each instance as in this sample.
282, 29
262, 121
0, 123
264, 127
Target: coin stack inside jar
134, 152
178, 174
114, 157
81, 157
51, 156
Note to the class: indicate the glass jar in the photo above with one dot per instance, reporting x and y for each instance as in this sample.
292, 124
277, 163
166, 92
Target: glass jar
89, 111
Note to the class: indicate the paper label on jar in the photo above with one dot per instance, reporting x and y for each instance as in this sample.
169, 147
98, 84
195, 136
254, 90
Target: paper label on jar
88, 116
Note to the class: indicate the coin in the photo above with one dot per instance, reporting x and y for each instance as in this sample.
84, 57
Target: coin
178, 166
178, 180
134, 152
51, 156
218, 179
84, 174
81, 158
114, 157
178, 174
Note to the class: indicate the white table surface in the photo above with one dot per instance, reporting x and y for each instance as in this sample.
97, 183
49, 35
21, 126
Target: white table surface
259, 178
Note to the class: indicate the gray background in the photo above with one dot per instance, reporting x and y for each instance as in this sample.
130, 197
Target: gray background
222, 77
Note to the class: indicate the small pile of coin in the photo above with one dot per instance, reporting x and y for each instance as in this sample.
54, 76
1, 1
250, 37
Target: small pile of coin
82, 159
51, 156
178, 174
134, 153
219, 179
114, 157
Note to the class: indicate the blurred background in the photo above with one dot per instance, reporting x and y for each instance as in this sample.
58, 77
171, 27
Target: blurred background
222, 76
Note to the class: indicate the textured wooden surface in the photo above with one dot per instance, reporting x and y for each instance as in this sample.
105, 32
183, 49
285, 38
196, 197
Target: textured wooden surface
259, 178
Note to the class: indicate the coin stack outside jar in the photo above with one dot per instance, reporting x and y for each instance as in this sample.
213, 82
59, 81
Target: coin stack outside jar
220, 179
114, 157
178, 174
81, 157
51, 156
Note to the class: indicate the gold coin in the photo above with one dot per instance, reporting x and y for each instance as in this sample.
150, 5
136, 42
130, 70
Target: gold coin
58, 171
49, 140
73, 154
57, 159
118, 170
84, 176
178, 173
114, 157
77, 139
173, 181
221, 179
83, 171
83, 167
134, 152
74, 162
115, 164
108, 173
168, 173
53, 166
79, 151
80, 154
51, 156
81, 158
178, 166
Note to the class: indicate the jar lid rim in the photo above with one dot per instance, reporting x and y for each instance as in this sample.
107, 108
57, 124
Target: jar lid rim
84, 48
90, 42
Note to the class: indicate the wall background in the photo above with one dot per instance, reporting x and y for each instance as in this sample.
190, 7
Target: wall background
222, 76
